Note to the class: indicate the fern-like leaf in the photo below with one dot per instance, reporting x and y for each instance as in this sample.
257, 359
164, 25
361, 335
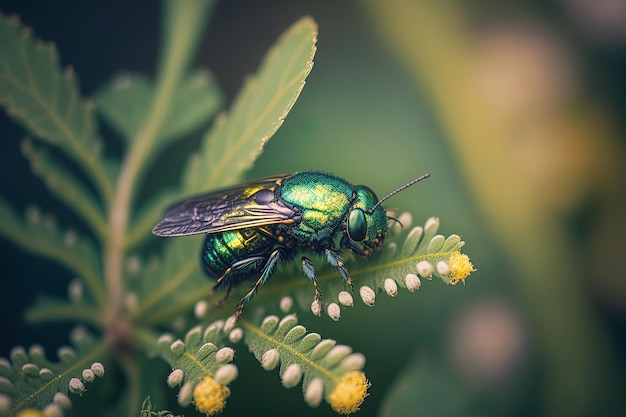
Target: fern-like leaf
423, 253
29, 380
65, 186
125, 102
260, 108
39, 234
323, 366
201, 366
46, 101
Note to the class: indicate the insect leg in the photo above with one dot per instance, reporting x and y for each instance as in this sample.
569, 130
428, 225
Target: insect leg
334, 260
226, 280
276, 256
309, 271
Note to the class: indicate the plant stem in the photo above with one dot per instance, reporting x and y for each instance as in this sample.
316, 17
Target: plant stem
183, 22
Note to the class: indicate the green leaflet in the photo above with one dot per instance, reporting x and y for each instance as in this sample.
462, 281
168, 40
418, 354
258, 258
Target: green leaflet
39, 234
237, 138
125, 102
46, 101
397, 262
302, 356
65, 186
32, 381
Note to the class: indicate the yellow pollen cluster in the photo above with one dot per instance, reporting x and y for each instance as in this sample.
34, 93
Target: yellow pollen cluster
460, 267
210, 397
350, 393
29, 412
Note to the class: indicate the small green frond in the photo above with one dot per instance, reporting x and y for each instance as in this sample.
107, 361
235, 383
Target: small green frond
423, 253
237, 139
197, 100
125, 101
323, 366
46, 101
201, 366
40, 234
65, 186
48, 309
29, 380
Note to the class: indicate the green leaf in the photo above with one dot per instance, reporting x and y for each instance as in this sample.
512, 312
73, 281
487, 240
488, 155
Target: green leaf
40, 235
65, 186
397, 263
46, 101
200, 358
196, 101
32, 381
48, 309
237, 139
125, 101
302, 356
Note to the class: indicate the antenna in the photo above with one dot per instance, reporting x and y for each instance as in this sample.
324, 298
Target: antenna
418, 179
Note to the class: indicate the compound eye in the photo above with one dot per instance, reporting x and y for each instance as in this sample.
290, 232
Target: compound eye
357, 226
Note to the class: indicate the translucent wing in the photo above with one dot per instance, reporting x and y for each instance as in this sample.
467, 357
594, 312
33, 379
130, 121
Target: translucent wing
252, 204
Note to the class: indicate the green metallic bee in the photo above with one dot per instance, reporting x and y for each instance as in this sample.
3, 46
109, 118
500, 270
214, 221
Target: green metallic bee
253, 226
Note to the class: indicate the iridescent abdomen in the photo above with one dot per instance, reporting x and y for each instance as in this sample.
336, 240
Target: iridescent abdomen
222, 250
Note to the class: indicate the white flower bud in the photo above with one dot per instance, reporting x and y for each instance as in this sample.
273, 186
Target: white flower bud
316, 307
165, 339
367, 295
30, 369
52, 410
88, 375
286, 303
292, 375
67, 355
322, 348
226, 374
46, 374
185, 395
200, 309
75, 290
270, 359
412, 282
391, 288
314, 392
432, 225
98, 369
336, 354
62, 400
230, 324
236, 335
177, 347
225, 354
131, 302
345, 299
175, 377
353, 362
334, 311
443, 268
76, 386
425, 269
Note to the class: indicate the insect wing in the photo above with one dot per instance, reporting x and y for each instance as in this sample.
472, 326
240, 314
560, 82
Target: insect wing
247, 205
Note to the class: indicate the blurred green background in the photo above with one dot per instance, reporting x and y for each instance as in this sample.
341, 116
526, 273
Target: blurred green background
517, 109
